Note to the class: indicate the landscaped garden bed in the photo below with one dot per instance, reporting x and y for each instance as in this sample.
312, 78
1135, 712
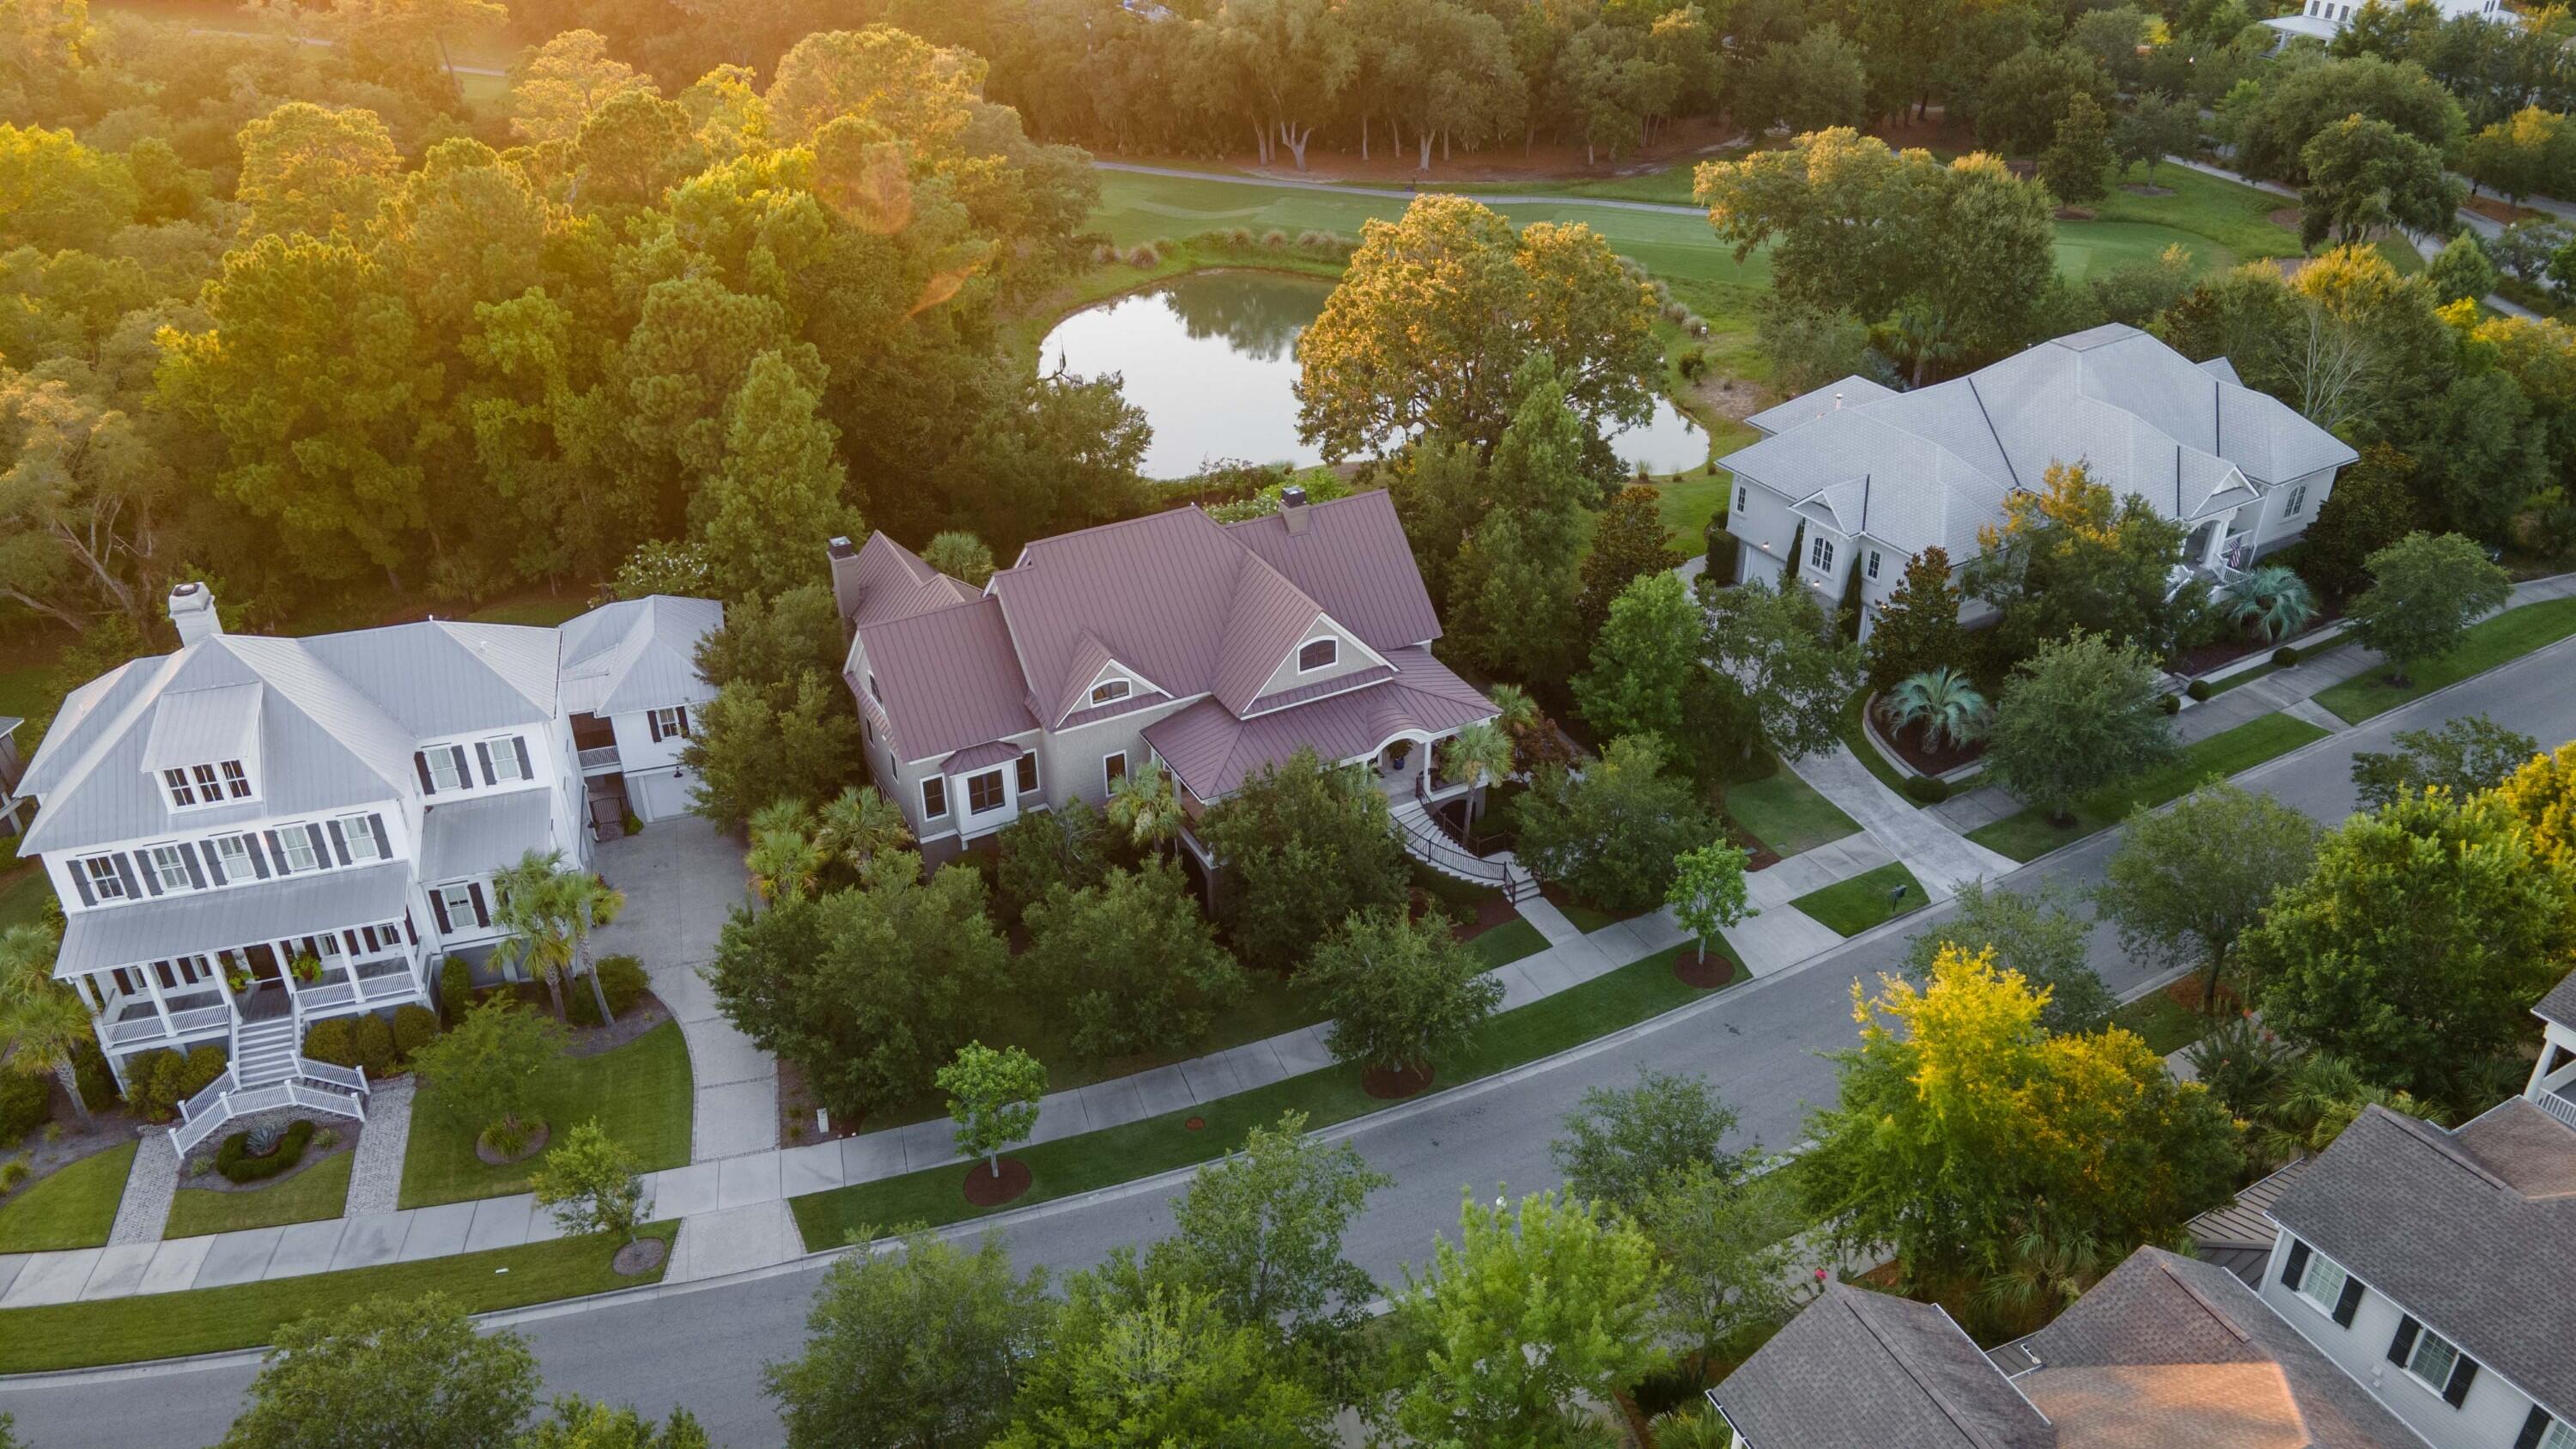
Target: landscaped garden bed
311, 1185
639, 1090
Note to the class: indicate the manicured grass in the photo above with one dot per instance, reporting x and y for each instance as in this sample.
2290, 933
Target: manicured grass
640, 1093
1691, 499
73, 1208
1855, 733
2213, 212
2166, 1024
318, 1192
2028, 835
1786, 814
2507, 636
211, 1320
1853, 906
1507, 943
1633, 993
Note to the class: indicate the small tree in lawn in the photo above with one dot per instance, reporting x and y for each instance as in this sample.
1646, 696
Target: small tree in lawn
1401, 992
483, 1072
2425, 590
2080, 715
1708, 891
590, 1183
993, 1098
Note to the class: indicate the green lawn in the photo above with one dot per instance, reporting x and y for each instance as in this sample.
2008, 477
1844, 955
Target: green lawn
73, 1208
1507, 943
1639, 990
2167, 1025
211, 1320
1853, 906
318, 1192
1786, 814
1690, 500
2507, 636
2028, 835
1855, 733
640, 1093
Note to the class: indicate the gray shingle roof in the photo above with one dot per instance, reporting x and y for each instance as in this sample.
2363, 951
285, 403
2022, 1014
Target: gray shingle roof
1864, 1369
479, 835
2472, 1231
636, 654
2560, 1004
239, 916
2166, 1350
1939, 461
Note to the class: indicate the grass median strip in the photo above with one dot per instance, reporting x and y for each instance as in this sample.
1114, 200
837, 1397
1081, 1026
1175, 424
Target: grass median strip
212, 1320
2028, 835
2506, 637
1635, 992
1852, 906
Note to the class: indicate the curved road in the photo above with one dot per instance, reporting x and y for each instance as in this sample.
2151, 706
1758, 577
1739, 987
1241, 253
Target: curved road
1340, 188
703, 1345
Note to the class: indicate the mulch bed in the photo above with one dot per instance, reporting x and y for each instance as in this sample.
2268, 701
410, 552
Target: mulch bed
639, 1257
646, 1013
1492, 911
1757, 855
984, 1189
105, 1129
491, 1156
195, 1178
2140, 188
1922, 758
2187, 994
796, 1106
1691, 971
2201, 659
1392, 1086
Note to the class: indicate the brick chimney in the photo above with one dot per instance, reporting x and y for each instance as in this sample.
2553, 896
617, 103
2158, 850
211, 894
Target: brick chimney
844, 557
192, 612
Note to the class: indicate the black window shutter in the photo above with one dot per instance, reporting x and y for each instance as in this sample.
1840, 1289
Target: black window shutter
352, 938
321, 847
409, 929
653, 724
420, 762
258, 862
2532, 1428
438, 908
125, 875
464, 771
526, 771
80, 882
482, 909
376, 826
276, 852
681, 715
214, 863
2404, 1343
483, 753
2464, 1372
151, 877
188, 853
339, 843
2348, 1302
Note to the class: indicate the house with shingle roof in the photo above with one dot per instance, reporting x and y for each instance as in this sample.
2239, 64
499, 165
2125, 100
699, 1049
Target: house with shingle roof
1172, 642
1856, 478
252, 834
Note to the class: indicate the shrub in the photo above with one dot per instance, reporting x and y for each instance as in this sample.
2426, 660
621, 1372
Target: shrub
620, 977
2170, 704
1274, 239
1103, 254
1143, 255
14, 1174
234, 1161
205, 1064
1695, 325
25, 1102
2199, 689
412, 1026
2285, 656
1675, 311
154, 1079
1925, 790
1691, 361
332, 1042
374, 1041
97, 1083
1240, 236
455, 989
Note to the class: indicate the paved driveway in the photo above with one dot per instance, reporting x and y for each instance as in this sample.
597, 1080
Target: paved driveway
682, 879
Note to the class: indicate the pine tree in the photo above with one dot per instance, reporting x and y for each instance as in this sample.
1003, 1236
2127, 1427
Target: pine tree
2074, 165
764, 516
1918, 626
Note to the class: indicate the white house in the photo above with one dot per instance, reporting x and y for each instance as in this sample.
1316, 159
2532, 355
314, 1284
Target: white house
2324, 19
252, 833
1855, 477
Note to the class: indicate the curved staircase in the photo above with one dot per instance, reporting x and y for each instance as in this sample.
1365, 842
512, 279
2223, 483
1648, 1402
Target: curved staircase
1428, 842
266, 1073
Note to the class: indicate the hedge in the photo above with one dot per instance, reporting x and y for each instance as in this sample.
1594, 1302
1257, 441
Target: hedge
374, 1043
156, 1077
2200, 689
2285, 656
332, 1041
2170, 704
25, 1102
414, 1025
234, 1161
620, 977
455, 989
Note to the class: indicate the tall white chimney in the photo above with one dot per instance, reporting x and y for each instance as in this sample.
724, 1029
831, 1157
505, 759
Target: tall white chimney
192, 611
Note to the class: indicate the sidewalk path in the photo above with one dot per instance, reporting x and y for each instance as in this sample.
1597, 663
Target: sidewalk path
375, 1178
149, 1187
1940, 857
732, 1203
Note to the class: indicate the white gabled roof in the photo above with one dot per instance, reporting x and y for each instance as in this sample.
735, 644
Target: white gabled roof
636, 654
1930, 467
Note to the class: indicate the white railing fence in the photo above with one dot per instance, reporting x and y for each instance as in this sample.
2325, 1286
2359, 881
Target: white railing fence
2558, 1107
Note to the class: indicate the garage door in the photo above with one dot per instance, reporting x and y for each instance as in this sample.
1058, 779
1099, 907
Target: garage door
657, 796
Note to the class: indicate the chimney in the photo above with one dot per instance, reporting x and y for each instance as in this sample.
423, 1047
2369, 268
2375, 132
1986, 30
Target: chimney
192, 611
1292, 508
844, 558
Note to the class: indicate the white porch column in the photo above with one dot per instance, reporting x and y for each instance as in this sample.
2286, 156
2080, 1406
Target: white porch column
215, 962
152, 984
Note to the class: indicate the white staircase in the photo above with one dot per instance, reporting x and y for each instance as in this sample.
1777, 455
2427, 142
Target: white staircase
1425, 841
267, 1073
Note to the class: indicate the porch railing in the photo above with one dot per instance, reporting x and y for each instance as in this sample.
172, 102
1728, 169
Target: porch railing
2558, 1107
222, 1102
149, 1028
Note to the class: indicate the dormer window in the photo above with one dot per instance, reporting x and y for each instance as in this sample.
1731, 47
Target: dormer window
1110, 691
446, 768
1317, 654
207, 784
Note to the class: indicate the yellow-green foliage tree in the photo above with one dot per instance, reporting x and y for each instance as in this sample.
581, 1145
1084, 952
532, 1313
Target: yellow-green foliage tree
2543, 793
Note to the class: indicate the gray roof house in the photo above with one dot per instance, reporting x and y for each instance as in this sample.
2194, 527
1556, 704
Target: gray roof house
250, 834
1854, 476
1170, 642
1863, 1368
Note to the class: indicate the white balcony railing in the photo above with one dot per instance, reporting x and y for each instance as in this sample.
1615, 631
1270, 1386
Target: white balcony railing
2558, 1107
600, 760
337, 993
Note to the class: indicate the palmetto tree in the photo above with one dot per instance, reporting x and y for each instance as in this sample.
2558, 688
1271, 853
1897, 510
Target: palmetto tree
1144, 804
1480, 754
862, 825
41, 1021
1944, 702
784, 857
2273, 601
546, 914
1514, 710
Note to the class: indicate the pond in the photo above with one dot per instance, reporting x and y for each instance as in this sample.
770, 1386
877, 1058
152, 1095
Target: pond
1212, 357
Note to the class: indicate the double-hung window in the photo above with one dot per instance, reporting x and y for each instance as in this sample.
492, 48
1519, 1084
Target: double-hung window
934, 797
1820, 554
445, 770
458, 899
169, 866
360, 832
2559, 1435
236, 780
1113, 768
505, 758
1739, 497
672, 721
1873, 563
2298, 503
104, 882
297, 842
2433, 1359
984, 793
2322, 1282
235, 854
1028, 774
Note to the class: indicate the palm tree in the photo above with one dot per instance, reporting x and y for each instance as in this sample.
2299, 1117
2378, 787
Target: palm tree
1943, 701
783, 864
42, 1020
862, 825
1480, 754
1514, 710
1143, 804
546, 914
2321, 1098
2271, 600
2051, 1265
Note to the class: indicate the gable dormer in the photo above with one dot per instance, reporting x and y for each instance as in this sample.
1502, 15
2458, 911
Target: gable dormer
1325, 654
1098, 680
203, 748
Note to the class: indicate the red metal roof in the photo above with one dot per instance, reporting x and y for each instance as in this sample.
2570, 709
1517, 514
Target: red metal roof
1214, 752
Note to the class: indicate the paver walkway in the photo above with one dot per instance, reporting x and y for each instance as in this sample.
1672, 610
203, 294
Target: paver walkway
149, 1187
732, 1206
375, 1178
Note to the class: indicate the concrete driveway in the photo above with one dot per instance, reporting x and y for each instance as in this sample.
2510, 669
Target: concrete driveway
682, 879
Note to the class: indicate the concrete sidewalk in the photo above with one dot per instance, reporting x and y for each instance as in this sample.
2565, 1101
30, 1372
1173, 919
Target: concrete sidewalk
1940, 857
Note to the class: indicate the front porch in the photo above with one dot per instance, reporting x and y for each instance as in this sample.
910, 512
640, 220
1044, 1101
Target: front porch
182, 1001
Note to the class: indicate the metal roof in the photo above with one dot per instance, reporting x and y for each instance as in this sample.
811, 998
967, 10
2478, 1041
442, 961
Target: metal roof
203, 726
884, 580
480, 835
636, 654
999, 752
947, 678
1214, 751
216, 920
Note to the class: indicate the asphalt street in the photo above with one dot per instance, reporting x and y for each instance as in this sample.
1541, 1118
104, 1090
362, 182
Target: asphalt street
1759, 1044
